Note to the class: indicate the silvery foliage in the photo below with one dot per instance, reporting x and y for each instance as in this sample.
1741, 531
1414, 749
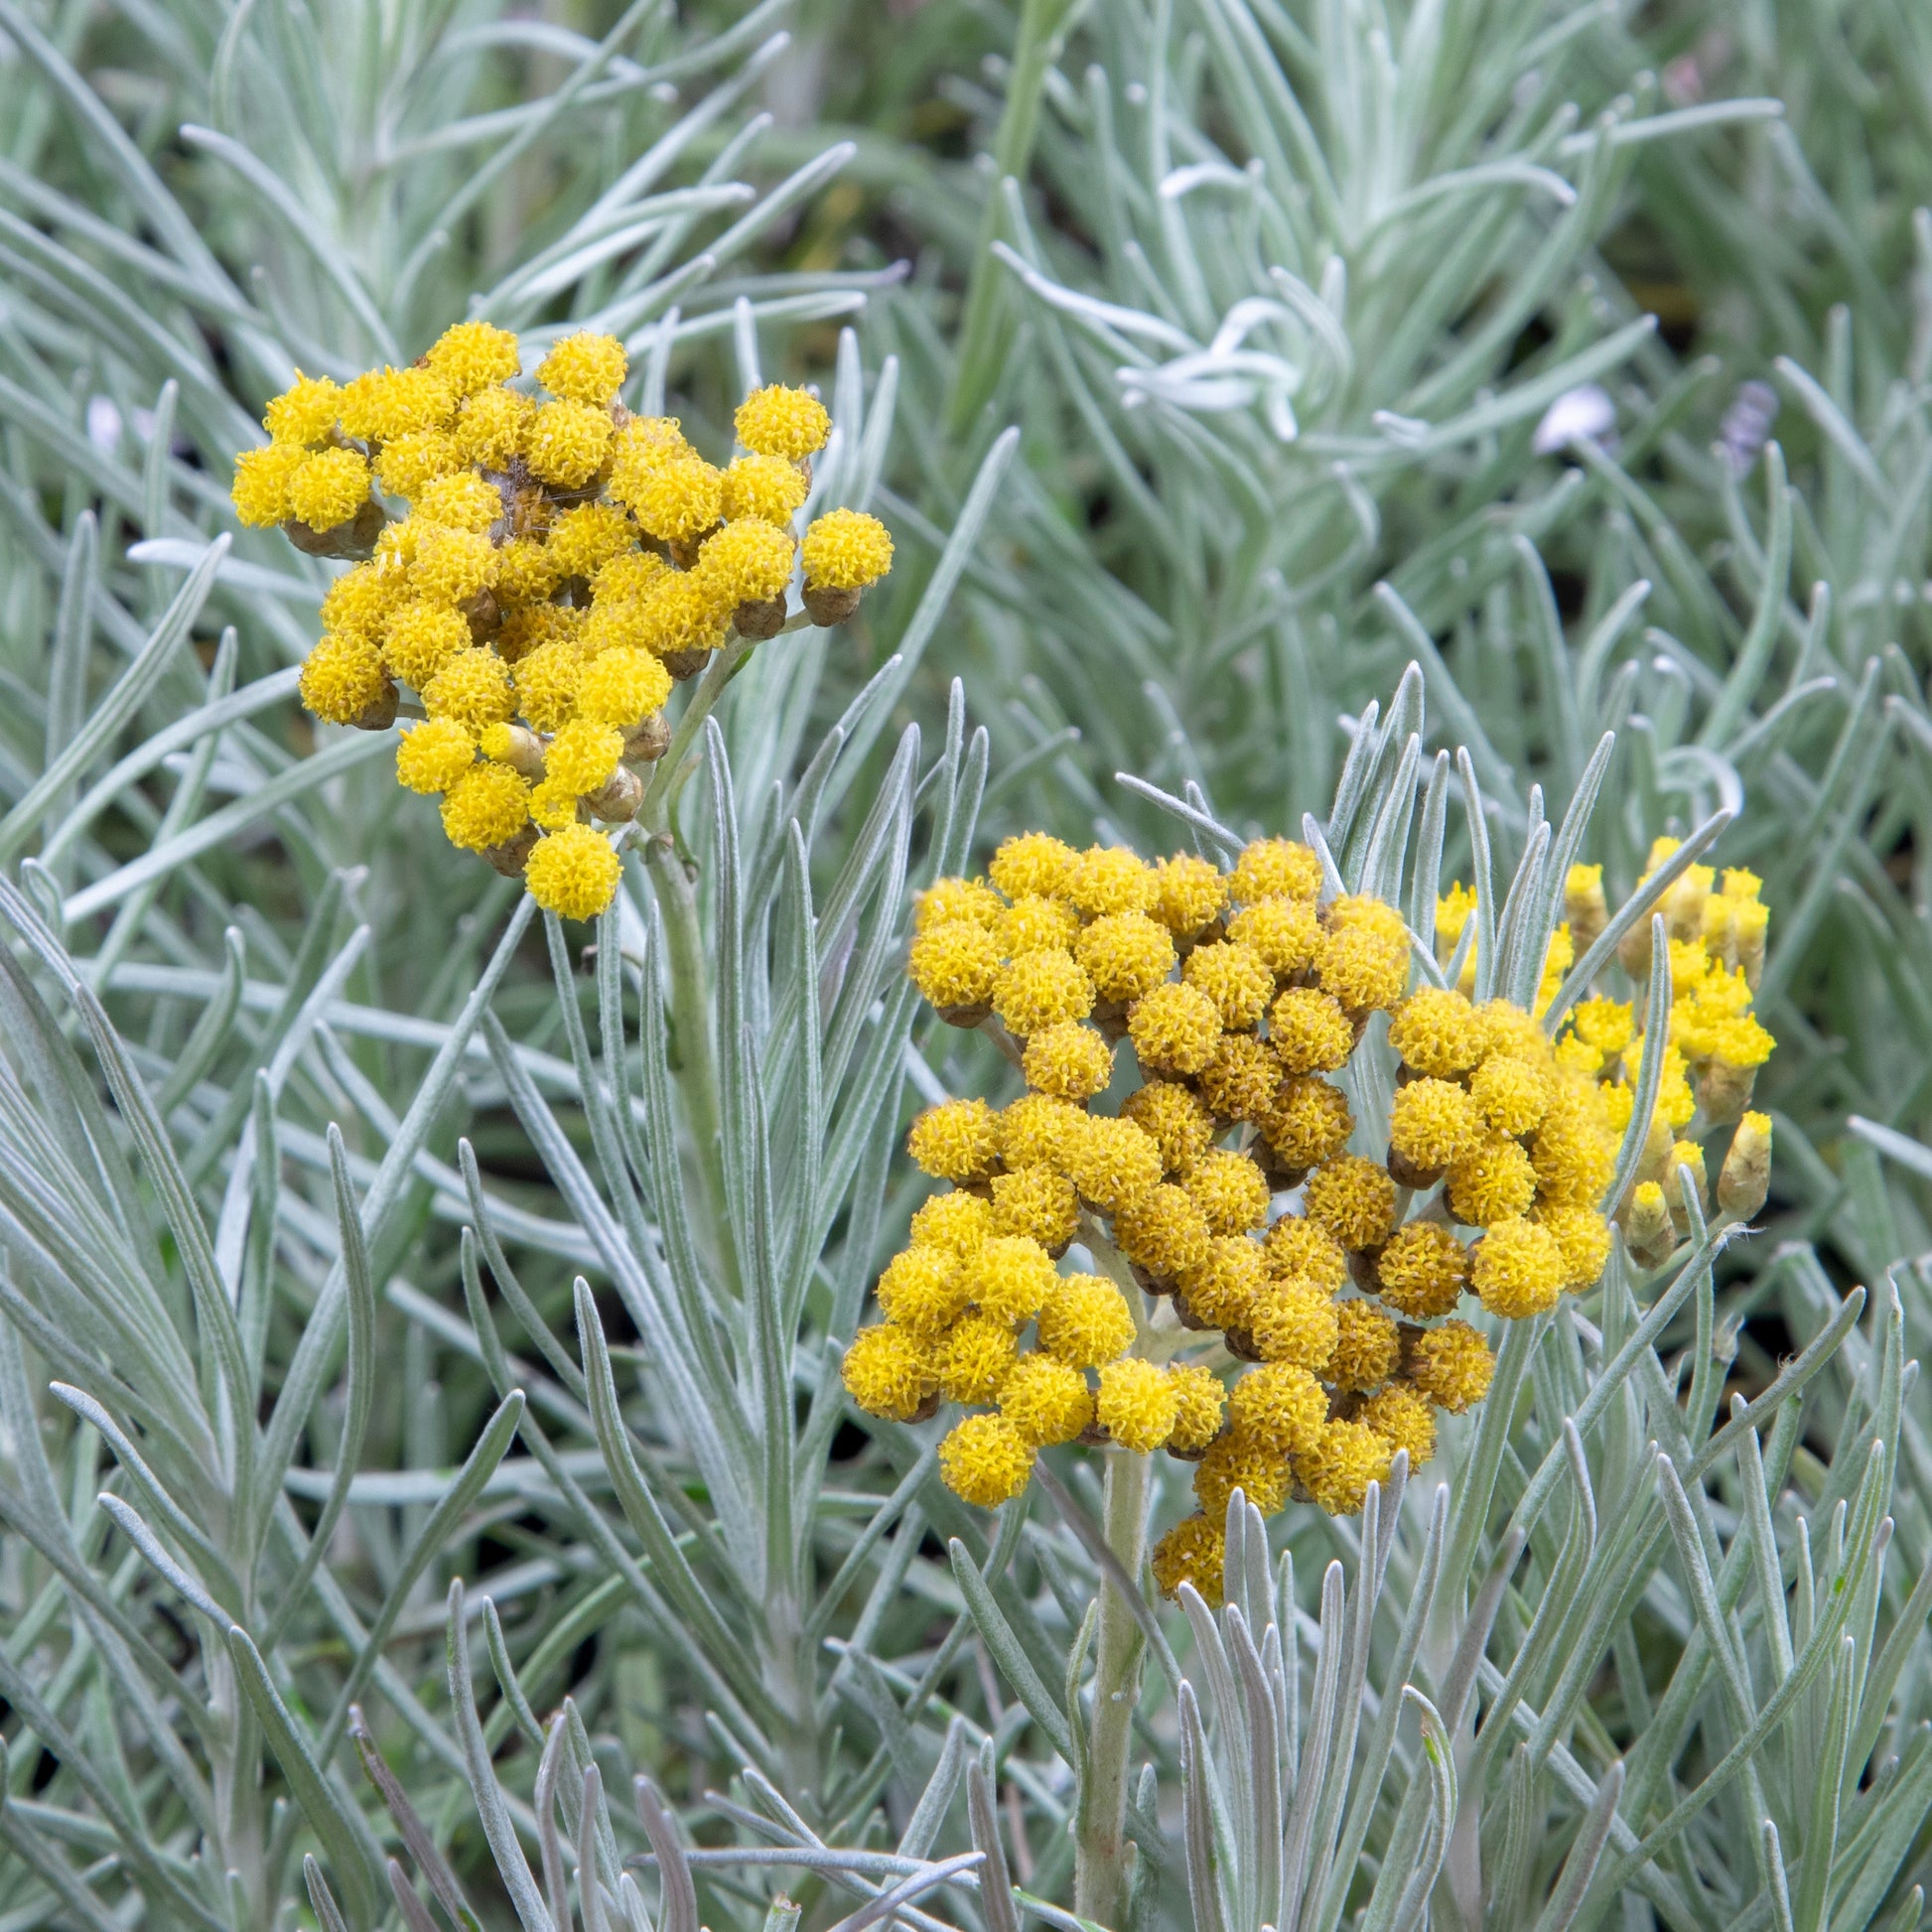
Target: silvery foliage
1674, 1627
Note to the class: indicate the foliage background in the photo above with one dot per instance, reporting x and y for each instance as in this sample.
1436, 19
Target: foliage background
1450, 215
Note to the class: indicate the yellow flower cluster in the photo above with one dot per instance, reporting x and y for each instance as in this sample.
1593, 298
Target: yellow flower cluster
1240, 993
562, 563
1713, 1042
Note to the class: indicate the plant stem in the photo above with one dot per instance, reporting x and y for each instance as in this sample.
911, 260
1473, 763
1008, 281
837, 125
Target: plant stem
1100, 1850
697, 1050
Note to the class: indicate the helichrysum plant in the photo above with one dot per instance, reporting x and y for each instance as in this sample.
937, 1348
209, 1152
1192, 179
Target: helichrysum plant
560, 563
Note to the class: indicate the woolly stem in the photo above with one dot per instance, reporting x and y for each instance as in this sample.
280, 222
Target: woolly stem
1100, 1849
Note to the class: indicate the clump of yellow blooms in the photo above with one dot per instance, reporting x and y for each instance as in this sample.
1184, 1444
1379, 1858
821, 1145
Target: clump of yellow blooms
1224, 1206
560, 565
1713, 1043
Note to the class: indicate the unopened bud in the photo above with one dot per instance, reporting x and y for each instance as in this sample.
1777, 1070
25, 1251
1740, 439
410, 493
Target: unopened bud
513, 854
759, 618
379, 715
1647, 1225
1745, 1178
515, 746
616, 802
1655, 1158
1686, 1157
1723, 1092
649, 741
1684, 902
1753, 918
827, 606
1583, 902
684, 664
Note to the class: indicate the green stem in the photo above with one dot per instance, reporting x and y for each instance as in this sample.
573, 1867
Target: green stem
1100, 1846
987, 322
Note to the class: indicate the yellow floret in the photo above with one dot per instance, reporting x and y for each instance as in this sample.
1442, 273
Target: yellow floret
341, 678
451, 566
547, 681
1033, 924
586, 538
462, 499
1038, 1202
1365, 970
1162, 1231
957, 1141
1085, 1321
1125, 954
675, 502
1295, 1321
1067, 1059
1242, 1080
1031, 863
1189, 893
1491, 1181
922, 1291
305, 412
552, 805
1436, 1032
628, 574
1511, 1033
261, 482
975, 1359
1236, 1461
1138, 1405
888, 1372
621, 688
1310, 1032
957, 899
1038, 1130
387, 403
1286, 932
1353, 1198
959, 1224
955, 964
1433, 1121
1403, 1418
1367, 1346
421, 638
1452, 913
1421, 1268
844, 550
1298, 1249
1606, 1024
584, 367
1039, 988
583, 755
780, 421
1337, 1467
1230, 1190
361, 599
1009, 1278
1584, 1235
1583, 900
647, 439
473, 687
1109, 878
1112, 1162
434, 756
1574, 1152
767, 487
1307, 1122
1175, 1028
1236, 978
1740, 1042
1278, 1406
1518, 1269
565, 442
985, 1460
1045, 1399
746, 562
493, 426
468, 355
525, 571
527, 626
488, 805
1181, 1127
1364, 912
574, 873
1512, 1096
1200, 1400
1275, 869
1194, 1553
1223, 1287
1450, 1365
